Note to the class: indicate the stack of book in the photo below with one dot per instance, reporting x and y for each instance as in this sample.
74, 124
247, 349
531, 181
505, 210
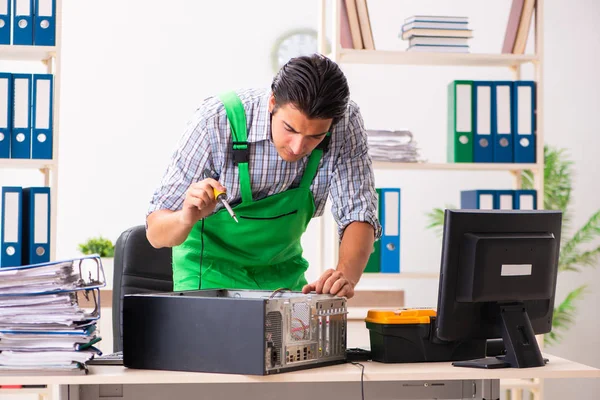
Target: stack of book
48, 316
429, 33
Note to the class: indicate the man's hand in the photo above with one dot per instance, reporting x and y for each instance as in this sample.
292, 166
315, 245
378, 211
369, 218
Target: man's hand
167, 228
199, 201
332, 282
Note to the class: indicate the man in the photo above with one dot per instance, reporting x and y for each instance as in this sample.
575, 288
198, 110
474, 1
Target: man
278, 154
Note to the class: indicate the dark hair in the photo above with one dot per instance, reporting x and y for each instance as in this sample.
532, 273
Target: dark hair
313, 84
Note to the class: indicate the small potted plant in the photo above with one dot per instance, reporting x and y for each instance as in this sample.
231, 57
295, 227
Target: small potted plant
105, 249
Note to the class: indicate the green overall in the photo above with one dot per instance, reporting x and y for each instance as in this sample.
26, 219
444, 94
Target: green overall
262, 251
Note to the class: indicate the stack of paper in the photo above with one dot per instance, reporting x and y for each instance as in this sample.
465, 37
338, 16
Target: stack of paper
43, 325
397, 146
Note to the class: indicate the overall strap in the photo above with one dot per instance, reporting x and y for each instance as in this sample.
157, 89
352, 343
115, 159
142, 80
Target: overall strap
237, 119
312, 165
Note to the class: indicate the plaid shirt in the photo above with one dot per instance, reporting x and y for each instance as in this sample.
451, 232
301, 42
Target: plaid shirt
345, 171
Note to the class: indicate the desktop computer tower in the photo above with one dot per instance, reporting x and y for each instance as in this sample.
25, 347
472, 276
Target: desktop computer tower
233, 331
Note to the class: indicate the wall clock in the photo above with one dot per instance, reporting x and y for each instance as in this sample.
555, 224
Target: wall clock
298, 42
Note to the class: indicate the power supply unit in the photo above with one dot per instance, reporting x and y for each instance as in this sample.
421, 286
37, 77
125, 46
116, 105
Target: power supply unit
233, 331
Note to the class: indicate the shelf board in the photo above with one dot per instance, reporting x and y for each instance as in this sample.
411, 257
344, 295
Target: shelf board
27, 53
401, 275
27, 164
349, 56
453, 166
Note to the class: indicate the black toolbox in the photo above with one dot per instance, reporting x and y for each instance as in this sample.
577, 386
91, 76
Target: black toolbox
408, 335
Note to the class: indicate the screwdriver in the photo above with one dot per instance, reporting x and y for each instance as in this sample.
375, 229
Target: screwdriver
221, 196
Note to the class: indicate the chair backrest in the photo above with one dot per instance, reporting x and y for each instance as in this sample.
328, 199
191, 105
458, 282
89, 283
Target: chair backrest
138, 268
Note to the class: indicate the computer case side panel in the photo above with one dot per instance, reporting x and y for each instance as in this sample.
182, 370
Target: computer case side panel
180, 333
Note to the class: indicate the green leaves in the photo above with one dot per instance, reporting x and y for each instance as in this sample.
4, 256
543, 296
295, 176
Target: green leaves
558, 186
98, 245
564, 316
436, 219
558, 177
571, 255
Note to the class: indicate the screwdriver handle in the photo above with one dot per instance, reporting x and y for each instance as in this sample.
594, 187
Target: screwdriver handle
220, 196
217, 193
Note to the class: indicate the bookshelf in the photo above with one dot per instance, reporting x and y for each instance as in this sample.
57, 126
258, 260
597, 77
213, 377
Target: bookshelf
473, 60
50, 57
383, 57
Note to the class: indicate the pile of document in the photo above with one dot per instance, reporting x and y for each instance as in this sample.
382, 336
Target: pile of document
397, 146
48, 316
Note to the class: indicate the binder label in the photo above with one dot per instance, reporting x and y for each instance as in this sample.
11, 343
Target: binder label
503, 109
486, 202
463, 108
526, 202
22, 7
506, 202
21, 108
484, 107
525, 112
391, 200
45, 8
40, 229
4, 100
42, 101
11, 217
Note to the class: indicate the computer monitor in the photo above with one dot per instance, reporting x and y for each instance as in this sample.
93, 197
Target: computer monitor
498, 280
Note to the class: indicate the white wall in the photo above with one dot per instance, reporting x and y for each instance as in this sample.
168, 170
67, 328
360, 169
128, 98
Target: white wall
572, 103
134, 71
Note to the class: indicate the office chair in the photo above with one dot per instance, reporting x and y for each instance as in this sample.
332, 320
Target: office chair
138, 268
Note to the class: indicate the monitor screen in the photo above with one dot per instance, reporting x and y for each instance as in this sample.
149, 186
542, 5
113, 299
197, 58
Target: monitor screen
498, 279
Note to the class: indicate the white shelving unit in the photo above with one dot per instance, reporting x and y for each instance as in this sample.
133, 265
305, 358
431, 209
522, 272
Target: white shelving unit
50, 57
512, 61
383, 57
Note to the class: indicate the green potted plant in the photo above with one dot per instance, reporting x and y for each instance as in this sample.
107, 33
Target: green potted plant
574, 254
105, 249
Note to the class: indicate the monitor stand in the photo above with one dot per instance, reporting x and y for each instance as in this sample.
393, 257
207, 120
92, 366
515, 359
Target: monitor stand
522, 350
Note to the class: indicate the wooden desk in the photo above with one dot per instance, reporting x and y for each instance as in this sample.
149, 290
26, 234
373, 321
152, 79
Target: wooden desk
398, 381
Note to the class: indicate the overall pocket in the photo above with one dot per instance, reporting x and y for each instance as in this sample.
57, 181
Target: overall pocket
269, 218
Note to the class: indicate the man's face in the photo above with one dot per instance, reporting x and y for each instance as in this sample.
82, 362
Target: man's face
294, 135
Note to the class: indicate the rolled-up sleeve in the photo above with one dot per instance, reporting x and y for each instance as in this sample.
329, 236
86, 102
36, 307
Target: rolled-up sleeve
193, 154
352, 191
